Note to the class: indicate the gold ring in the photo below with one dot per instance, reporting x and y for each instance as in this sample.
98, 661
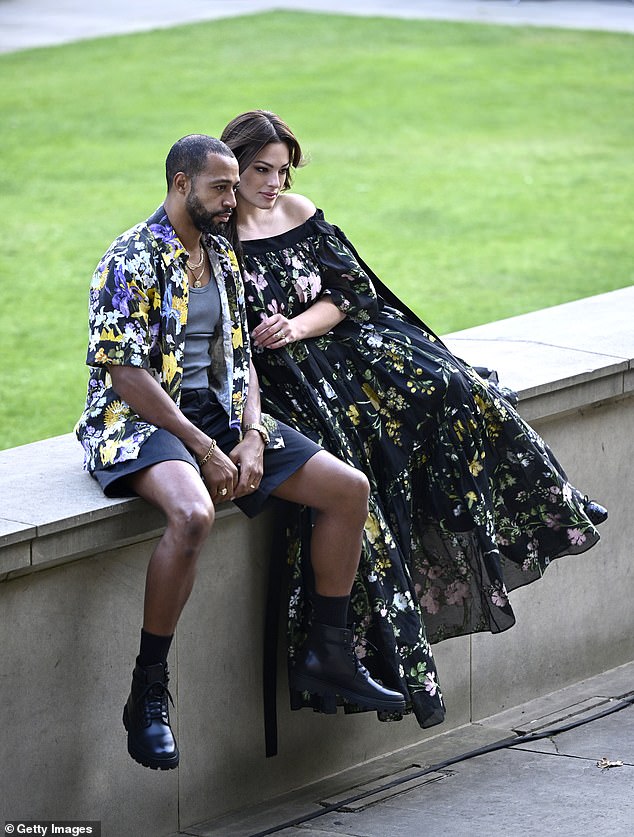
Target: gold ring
253, 486
222, 492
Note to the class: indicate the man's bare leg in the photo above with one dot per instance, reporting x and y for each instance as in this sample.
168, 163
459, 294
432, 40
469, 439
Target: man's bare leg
176, 488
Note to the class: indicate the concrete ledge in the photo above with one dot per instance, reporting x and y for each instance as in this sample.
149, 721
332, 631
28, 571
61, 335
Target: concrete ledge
559, 359
72, 567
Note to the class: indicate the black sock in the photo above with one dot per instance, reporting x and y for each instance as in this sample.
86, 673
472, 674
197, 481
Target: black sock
154, 649
331, 610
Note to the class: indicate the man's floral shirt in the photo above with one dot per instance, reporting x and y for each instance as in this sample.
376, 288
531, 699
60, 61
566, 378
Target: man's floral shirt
137, 317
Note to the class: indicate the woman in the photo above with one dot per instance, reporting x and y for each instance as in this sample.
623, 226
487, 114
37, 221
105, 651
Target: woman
467, 500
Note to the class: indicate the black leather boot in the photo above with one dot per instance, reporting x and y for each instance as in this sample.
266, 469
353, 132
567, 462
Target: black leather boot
327, 665
595, 512
146, 718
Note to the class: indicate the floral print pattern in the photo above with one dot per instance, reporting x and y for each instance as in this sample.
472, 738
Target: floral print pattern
138, 317
467, 501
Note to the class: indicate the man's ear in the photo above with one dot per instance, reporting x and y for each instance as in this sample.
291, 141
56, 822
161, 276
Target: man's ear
181, 183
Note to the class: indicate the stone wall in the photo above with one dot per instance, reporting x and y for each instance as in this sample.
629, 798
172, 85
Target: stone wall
72, 568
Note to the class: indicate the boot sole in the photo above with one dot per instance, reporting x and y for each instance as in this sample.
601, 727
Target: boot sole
154, 764
308, 684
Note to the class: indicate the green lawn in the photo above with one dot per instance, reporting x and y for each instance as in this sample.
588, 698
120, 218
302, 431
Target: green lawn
482, 171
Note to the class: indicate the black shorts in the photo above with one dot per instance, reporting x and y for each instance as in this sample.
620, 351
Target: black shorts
202, 409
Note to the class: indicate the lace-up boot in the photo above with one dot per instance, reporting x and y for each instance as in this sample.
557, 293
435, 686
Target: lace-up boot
327, 665
146, 718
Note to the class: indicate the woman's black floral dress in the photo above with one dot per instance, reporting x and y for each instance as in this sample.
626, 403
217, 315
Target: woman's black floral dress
467, 502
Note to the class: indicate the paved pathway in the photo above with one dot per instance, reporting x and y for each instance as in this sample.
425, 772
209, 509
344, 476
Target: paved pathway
576, 783
30, 23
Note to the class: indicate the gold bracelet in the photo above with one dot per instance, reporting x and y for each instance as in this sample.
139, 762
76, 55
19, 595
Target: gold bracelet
208, 455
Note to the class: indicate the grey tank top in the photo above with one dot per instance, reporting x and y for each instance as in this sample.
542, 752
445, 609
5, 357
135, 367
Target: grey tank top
203, 317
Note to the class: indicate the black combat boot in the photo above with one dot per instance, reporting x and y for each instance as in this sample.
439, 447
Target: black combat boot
327, 665
146, 718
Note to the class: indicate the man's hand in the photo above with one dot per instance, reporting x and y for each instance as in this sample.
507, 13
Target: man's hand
220, 476
248, 456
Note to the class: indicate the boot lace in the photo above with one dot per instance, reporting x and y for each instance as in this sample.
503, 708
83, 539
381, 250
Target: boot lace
154, 703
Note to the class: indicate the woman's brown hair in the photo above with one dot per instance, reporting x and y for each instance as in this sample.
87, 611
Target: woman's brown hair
246, 136
248, 133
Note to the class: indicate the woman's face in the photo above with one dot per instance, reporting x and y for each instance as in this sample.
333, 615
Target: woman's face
264, 179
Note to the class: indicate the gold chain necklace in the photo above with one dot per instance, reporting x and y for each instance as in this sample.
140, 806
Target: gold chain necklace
193, 266
197, 279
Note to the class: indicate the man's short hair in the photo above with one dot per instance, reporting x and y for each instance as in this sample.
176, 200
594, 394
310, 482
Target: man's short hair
190, 153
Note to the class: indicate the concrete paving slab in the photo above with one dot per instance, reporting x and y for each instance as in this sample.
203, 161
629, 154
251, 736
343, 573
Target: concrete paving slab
14, 531
552, 787
611, 738
35, 485
606, 318
534, 368
613, 684
512, 792
310, 799
535, 352
36, 23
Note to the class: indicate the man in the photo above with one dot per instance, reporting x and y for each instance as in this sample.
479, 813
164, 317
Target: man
177, 421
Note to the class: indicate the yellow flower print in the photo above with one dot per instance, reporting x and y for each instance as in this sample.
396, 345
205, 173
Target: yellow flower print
393, 427
475, 466
374, 398
144, 308
108, 336
471, 498
101, 356
179, 304
237, 340
113, 414
233, 260
108, 452
372, 528
459, 428
353, 414
169, 367
481, 403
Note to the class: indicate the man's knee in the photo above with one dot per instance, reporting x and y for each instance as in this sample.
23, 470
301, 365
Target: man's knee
192, 521
352, 491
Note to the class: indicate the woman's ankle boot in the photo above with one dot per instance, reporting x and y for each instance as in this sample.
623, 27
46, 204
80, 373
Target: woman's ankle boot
146, 718
328, 665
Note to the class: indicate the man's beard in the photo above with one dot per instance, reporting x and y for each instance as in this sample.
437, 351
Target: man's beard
201, 218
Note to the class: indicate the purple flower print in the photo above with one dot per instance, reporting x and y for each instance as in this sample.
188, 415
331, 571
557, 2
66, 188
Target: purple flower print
499, 597
429, 601
576, 536
430, 683
167, 311
165, 233
123, 294
457, 593
256, 279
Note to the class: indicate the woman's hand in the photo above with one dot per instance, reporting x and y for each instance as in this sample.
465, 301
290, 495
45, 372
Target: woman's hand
275, 332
